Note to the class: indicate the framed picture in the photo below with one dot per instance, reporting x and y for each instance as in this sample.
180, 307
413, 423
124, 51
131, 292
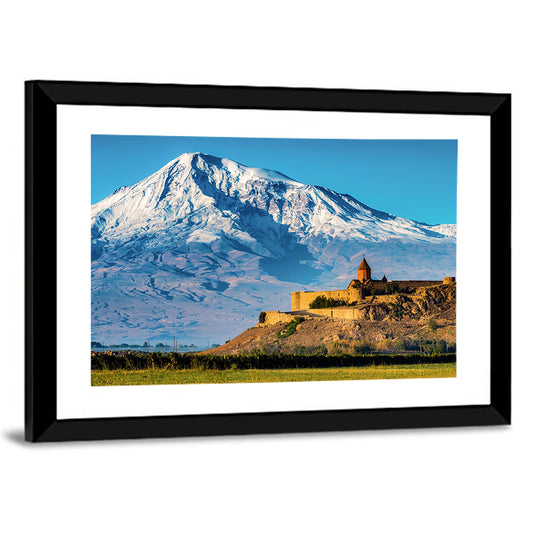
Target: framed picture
215, 260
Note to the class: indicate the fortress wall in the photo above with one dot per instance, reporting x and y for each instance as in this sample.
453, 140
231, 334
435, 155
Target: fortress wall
295, 301
274, 317
349, 313
380, 285
302, 300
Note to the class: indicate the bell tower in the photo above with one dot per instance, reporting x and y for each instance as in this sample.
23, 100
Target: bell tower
363, 272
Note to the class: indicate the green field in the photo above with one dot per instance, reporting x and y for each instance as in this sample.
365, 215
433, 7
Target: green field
160, 376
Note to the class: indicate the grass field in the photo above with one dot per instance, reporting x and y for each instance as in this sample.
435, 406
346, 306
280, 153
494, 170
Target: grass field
169, 377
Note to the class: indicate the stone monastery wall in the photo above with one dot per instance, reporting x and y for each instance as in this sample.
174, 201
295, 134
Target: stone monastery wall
350, 313
405, 284
274, 317
302, 300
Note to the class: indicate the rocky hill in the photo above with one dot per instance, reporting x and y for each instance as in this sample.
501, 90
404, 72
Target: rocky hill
388, 323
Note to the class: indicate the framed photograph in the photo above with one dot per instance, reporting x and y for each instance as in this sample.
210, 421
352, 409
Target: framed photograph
216, 260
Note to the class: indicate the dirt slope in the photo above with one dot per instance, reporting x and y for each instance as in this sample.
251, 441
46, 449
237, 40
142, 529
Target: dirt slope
385, 320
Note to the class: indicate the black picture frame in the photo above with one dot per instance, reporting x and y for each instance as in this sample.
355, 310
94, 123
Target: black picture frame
41, 101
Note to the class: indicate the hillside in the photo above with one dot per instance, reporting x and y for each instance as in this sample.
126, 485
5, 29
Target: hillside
383, 323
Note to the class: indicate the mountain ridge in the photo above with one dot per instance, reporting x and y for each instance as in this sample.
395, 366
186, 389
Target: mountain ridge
225, 236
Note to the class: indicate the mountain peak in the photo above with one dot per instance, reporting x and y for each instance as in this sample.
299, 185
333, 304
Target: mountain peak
189, 157
198, 189
208, 162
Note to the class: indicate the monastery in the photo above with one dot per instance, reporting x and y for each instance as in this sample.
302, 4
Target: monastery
303, 303
360, 288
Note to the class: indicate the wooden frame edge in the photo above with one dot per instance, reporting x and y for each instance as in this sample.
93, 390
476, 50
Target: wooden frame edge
40, 277
271, 423
500, 239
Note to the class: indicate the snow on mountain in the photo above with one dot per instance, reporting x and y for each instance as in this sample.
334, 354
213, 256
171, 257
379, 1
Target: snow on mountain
198, 248
448, 230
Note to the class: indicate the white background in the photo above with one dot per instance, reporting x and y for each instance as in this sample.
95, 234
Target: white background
436, 480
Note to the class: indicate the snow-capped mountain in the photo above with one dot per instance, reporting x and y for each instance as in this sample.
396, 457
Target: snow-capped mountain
198, 248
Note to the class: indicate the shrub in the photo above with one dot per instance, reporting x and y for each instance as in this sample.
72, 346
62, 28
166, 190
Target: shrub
427, 348
400, 344
385, 345
310, 358
321, 302
363, 347
392, 288
432, 324
397, 309
262, 317
291, 327
440, 347
336, 348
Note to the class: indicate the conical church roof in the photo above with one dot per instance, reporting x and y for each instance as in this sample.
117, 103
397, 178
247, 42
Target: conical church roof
363, 265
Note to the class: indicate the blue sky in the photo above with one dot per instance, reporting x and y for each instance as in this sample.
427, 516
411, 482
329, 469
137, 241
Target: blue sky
416, 179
